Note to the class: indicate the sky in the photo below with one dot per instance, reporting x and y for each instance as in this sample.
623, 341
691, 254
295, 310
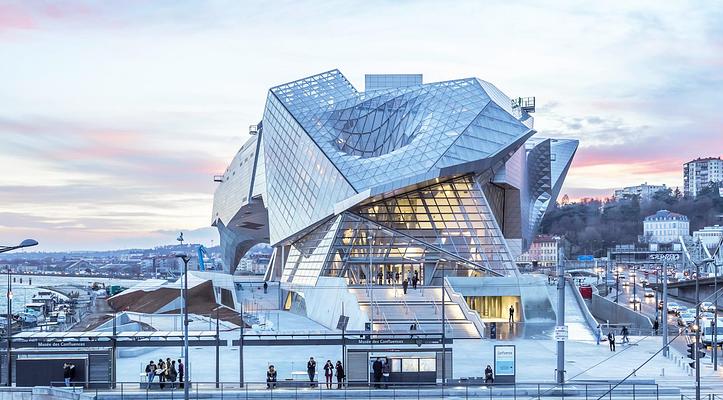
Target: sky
114, 116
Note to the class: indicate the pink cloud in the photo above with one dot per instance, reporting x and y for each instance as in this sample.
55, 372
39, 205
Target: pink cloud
13, 17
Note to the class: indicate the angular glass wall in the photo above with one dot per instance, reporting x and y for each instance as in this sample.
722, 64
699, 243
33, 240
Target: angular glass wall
308, 255
453, 216
367, 252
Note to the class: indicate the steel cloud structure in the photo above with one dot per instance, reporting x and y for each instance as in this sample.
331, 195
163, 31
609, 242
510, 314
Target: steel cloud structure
403, 177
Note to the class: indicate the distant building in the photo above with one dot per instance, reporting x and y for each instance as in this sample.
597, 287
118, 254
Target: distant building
665, 227
700, 173
644, 191
710, 236
544, 251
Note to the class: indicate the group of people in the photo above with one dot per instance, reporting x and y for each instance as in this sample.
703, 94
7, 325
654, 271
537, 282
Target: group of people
330, 370
68, 373
411, 277
381, 368
166, 371
624, 332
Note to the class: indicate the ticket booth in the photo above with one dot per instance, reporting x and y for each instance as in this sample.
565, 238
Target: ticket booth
408, 365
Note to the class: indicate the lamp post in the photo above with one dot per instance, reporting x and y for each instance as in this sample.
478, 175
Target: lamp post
634, 291
697, 324
617, 283
184, 295
8, 326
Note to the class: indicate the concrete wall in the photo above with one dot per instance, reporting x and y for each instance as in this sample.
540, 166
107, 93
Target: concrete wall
606, 310
589, 318
530, 289
323, 304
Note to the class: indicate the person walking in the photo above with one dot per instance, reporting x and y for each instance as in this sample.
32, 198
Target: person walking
150, 372
396, 277
181, 372
328, 373
655, 327
409, 276
271, 377
415, 280
266, 287
489, 377
512, 313
311, 370
405, 286
611, 340
339, 375
412, 329
625, 332
377, 369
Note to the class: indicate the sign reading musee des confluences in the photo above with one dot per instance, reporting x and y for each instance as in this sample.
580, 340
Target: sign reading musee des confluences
505, 360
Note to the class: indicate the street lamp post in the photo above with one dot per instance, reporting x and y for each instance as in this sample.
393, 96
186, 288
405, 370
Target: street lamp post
184, 295
9, 324
697, 324
634, 291
617, 283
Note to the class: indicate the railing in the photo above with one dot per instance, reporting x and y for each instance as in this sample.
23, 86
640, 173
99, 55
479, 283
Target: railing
471, 315
473, 388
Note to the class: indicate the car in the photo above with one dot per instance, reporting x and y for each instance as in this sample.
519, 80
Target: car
673, 307
626, 283
649, 292
707, 306
687, 318
707, 315
682, 310
634, 299
644, 282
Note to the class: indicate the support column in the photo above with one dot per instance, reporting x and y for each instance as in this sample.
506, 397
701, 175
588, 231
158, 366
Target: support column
560, 372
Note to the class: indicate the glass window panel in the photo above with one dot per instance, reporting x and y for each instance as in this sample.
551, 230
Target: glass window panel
410, 365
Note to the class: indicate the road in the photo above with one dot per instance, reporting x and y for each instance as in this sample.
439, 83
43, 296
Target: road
648, 308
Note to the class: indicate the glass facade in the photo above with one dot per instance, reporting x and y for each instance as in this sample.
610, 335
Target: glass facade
407, 178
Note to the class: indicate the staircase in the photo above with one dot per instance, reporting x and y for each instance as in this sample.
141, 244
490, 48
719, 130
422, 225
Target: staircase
391, 310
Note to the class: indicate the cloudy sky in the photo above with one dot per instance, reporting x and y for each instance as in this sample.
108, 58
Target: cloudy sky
114, 116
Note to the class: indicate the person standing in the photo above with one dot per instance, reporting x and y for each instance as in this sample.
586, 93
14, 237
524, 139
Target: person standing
266, 287
311, 370
150, 372
625, 332
405, 286
415, 280
396, 277
328, 373
598, 334
173, 374
409, 276
377, 369
655, 326
339, 375
181, 371
386, 371
512, 313
271, 377
489, 377
67, 373
161, 372
611, 340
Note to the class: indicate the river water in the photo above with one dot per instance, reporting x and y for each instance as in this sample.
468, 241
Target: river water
23, 292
